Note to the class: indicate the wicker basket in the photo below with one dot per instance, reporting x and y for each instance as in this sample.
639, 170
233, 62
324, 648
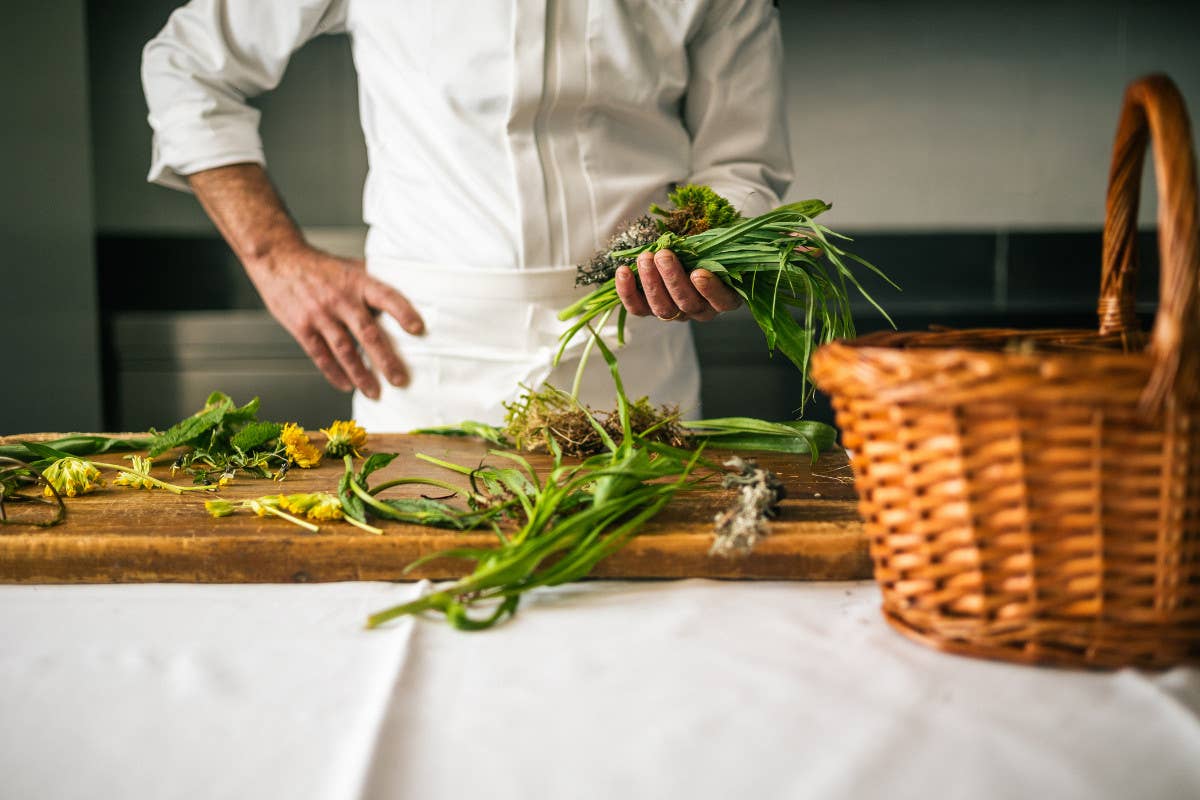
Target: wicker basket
1035, 495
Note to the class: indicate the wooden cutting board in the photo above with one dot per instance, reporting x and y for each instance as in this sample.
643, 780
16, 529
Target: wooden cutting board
122, 535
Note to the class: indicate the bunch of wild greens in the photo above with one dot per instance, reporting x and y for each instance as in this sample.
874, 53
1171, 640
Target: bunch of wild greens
783, 264
570, 519
222, 439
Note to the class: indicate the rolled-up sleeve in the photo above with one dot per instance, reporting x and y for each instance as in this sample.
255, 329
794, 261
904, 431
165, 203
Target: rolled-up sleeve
734, 105
198, 72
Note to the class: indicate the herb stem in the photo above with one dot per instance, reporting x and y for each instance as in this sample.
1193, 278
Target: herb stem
362, 525
449, 487
284, 515
587, 351
170, 487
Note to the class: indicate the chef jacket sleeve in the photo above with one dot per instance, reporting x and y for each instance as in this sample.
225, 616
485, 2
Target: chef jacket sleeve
734, 105
198, 72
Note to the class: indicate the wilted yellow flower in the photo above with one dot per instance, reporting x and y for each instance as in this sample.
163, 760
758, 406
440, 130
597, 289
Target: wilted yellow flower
219, 508
72, 476
321, 506
264, 505
344, 438
314, 505
138, 475
299, 448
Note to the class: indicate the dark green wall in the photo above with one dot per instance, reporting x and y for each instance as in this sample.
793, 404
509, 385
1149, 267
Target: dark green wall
48, 310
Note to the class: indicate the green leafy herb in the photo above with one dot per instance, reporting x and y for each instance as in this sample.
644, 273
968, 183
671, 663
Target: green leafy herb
255, 434
75, 445
746, 433
223, 439
481, 430
189, 430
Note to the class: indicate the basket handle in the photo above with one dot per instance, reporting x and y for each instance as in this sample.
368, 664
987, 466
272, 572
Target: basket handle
1154, 108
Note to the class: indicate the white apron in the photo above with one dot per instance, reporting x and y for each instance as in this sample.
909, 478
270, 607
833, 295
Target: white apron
488, 332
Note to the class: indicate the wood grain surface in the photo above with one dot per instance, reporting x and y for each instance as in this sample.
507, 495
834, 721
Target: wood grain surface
123, 535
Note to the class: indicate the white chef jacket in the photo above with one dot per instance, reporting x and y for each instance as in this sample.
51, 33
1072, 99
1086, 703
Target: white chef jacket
506, 141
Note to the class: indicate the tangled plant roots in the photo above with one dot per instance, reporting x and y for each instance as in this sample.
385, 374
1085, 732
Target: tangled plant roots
554, 413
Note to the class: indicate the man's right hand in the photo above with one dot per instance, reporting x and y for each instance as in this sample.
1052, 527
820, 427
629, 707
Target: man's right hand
329, 304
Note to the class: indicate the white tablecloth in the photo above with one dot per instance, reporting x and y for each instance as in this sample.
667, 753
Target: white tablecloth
690, 689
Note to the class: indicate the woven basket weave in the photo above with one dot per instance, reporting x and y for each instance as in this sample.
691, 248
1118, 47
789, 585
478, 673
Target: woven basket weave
1035, 495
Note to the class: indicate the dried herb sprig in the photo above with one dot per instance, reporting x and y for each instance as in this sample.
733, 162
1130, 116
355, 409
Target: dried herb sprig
603, 265
739, 527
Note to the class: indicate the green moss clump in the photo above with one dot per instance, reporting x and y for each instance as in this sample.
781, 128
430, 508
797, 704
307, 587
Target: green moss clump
697, 209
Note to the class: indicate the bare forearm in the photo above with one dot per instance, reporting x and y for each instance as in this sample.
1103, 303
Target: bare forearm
248, 212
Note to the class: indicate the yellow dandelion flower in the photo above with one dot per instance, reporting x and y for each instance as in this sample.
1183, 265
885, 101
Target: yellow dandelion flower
299, 449
72, 476
344, 438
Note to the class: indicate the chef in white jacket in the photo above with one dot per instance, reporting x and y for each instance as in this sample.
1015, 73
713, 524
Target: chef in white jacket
507, 142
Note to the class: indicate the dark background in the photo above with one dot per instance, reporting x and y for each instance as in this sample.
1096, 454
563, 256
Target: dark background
964, 148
